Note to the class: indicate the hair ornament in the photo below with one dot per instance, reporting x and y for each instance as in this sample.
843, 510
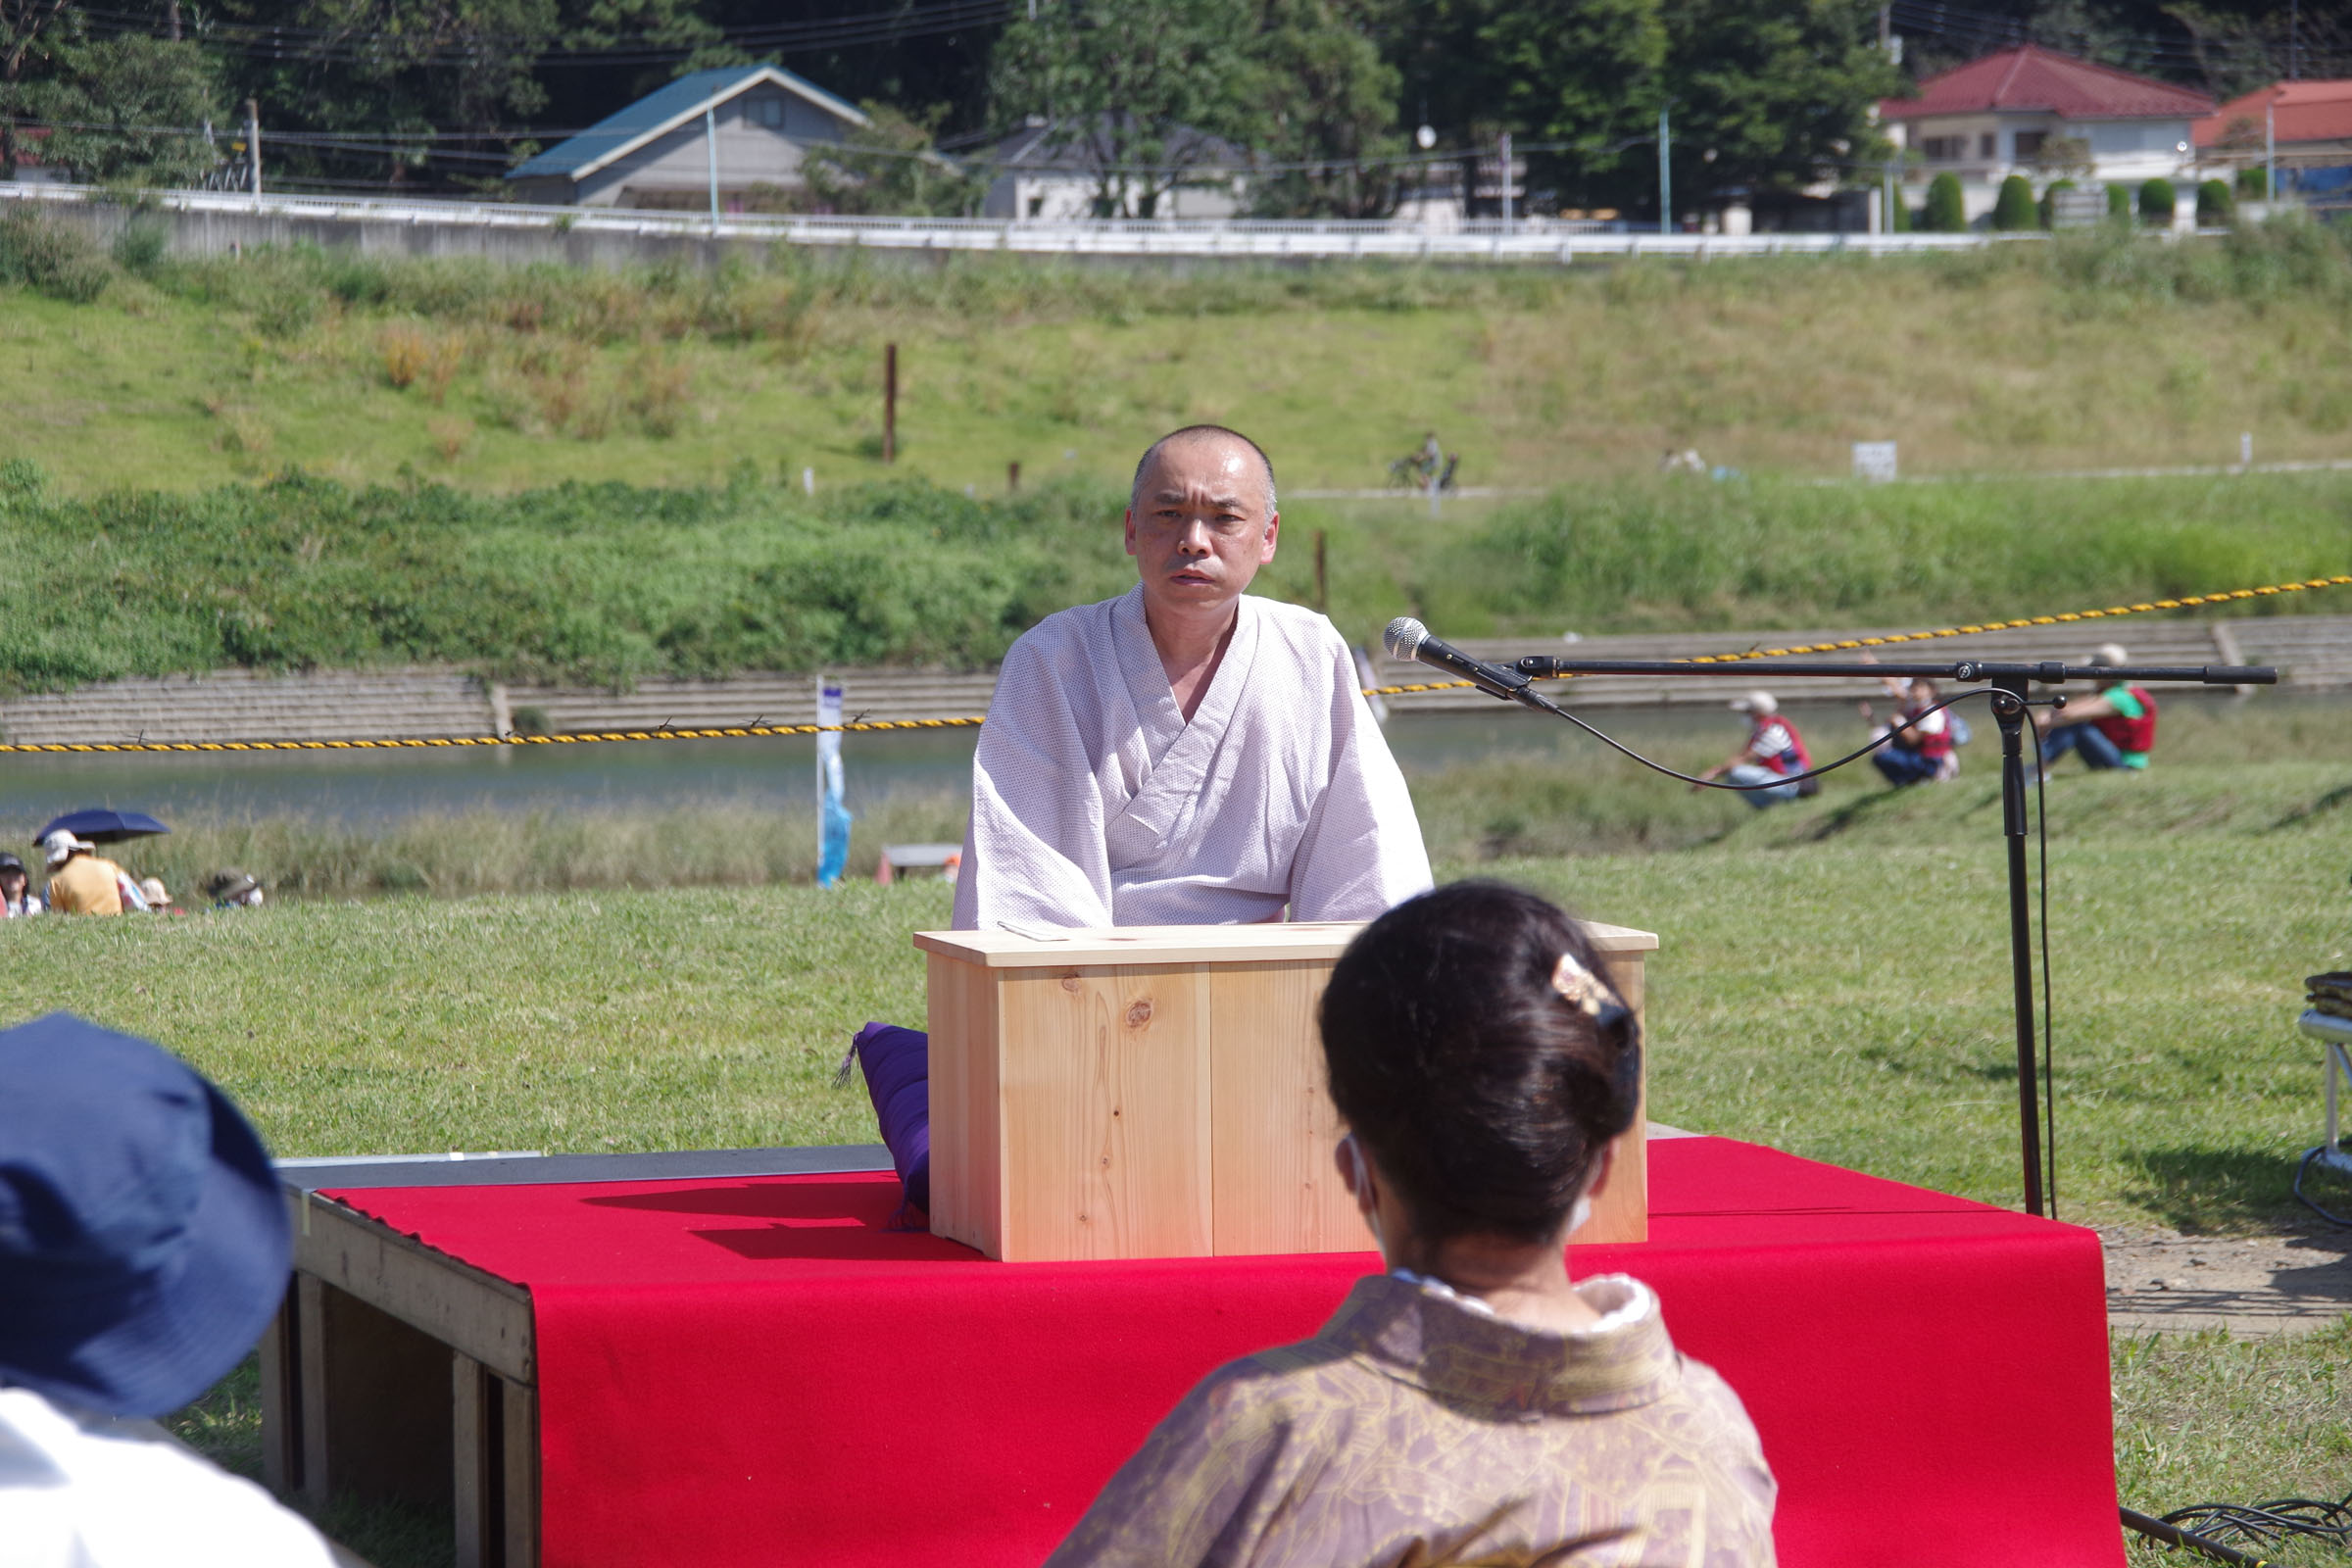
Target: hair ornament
1586, 990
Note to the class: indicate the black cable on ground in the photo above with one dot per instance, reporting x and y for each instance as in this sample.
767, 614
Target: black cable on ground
2171, 1535
2211, 1526
2305, 1199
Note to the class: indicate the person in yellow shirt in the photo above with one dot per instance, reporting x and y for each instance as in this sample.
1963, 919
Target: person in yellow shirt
80, 880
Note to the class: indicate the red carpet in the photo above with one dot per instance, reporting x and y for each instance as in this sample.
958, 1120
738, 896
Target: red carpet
754, 1372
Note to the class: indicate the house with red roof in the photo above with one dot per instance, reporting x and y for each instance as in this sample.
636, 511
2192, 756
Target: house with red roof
2023, 110
2306, 126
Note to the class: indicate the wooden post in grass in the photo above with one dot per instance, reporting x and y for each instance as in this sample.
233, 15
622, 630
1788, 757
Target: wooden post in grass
890, 403
1322, 578
1013, 479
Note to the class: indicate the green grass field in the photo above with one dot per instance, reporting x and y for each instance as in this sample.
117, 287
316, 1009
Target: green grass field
1834, 981
2090, 351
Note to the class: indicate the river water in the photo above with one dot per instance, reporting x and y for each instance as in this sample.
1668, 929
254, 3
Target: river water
375, 787
369, 787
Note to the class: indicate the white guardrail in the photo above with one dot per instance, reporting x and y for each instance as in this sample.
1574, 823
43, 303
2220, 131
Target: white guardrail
1535, 240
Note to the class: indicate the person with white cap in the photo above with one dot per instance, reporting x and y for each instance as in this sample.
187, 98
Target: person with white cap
2117, 728
143, 1246
1775, 752
81, 881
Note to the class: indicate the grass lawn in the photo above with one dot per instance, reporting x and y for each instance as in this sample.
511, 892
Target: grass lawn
1834, 981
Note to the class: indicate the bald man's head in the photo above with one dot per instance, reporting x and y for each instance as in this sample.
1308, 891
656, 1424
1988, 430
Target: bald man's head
1206, 433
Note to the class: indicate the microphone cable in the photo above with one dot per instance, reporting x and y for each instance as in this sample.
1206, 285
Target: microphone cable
2041, 834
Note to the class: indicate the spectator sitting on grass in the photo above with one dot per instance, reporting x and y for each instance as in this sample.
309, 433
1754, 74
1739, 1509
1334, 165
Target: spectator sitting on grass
83, 882
1472, 1404
1774, 752
143, 1246
157, 897
2115, 729
233, 889
17, 898
1919, 745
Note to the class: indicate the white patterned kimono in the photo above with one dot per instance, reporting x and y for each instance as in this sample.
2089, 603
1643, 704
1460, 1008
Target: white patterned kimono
1095, 803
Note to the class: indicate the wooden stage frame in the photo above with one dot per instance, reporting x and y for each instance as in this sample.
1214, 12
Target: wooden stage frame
398, 1373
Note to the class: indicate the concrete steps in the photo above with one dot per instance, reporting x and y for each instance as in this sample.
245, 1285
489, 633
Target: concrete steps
2314, 654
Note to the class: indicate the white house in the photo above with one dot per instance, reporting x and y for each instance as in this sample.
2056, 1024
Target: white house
1997, 117
735, 129
1049, 179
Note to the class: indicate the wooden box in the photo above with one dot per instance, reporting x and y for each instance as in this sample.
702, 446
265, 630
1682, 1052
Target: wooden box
1157, 1092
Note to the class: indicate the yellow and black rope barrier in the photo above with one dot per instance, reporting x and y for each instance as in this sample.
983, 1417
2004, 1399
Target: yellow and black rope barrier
878, 725
1849, 644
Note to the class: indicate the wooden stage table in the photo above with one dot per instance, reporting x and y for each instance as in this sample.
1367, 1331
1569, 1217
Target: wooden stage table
398, 1373
1157, 1092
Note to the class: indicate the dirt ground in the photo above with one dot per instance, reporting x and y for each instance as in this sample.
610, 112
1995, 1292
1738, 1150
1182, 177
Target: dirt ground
2299, 1279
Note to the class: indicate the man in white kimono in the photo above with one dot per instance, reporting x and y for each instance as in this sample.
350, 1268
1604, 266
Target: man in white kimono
1185, 754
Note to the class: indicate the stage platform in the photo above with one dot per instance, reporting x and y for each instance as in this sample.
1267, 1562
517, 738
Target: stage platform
729, 1359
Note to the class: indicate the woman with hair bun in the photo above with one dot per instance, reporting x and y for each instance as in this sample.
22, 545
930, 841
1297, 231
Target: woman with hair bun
1473, 1404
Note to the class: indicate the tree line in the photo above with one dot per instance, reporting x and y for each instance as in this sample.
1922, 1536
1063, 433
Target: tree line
1341, 107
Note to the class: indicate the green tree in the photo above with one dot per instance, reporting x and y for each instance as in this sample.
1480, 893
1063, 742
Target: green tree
2119, 204
1947, 212
889, 167
1135, 89
2157, 200
129, 109
2254, 184
1772, 94
2216, 209
2013, 210
399, 71
1586, 73
1332, 118
30, 32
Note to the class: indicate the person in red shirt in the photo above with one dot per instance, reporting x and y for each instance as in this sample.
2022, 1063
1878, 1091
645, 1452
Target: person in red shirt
1920, 750
2115, 729
1775, 751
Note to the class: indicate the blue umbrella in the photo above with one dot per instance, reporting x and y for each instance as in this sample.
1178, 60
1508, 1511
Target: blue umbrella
101, 825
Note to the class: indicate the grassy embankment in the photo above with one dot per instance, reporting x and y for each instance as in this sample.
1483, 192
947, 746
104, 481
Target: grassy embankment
2094, 350
614, 584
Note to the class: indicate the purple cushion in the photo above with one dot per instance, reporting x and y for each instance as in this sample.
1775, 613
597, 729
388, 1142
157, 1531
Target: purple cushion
898, 1078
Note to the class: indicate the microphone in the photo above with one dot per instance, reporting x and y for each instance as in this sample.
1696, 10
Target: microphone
1407, 638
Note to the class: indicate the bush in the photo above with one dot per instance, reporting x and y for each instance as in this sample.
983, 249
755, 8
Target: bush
139, 244
2254, 184
2013, 210
2119, 204
1947, 213
2049, 201
2216, 207
1899, 216
58, 262
2157, 202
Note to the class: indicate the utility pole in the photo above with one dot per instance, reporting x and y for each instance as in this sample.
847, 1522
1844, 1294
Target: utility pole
711, 146
890, 403
171, 19
2294, 40
1665, 176
1503, 146
2270, 151
253, 145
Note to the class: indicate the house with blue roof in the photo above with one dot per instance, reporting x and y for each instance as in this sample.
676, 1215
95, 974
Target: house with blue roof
736, 129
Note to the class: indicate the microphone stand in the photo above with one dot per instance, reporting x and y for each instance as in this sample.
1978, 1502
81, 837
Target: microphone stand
2009, 685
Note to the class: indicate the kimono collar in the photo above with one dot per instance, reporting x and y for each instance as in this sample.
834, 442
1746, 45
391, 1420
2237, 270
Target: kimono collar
1466, 1357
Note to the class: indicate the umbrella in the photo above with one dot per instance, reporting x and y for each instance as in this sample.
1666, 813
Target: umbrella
100, 825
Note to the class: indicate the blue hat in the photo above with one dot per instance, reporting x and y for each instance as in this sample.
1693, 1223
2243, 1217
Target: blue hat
143, 1242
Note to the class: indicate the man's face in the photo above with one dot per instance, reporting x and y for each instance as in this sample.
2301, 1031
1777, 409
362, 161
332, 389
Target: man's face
1200, 527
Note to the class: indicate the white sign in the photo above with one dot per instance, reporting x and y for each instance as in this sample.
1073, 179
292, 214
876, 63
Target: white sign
1874, 460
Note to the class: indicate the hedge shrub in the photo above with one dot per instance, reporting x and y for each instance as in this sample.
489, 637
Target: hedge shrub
2253, 184
2049, 201
2157, 200
1947, 212
2119, 203
2216, 209
2013, 210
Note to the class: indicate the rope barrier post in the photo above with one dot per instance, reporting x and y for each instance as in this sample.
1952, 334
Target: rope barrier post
2009, 712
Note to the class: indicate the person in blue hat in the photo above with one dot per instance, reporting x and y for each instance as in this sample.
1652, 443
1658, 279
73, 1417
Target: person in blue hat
143, 1246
